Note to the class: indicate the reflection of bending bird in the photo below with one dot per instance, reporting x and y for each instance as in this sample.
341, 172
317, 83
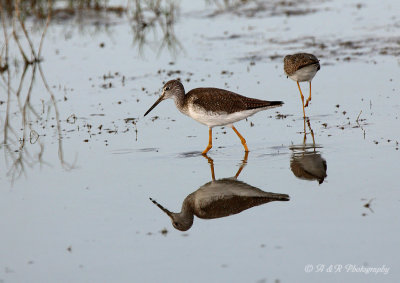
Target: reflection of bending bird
309, 166
305, 164
219, 198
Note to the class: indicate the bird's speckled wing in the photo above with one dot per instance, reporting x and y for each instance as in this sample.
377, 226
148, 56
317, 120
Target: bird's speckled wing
220, 100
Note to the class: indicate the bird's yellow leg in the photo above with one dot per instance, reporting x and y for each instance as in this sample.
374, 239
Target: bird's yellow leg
241, 139
244, 162
311, 131
209, 146
309, 98
211, 162
302, 100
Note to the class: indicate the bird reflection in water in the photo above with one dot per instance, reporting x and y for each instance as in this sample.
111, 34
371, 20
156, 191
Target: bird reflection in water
219, 198
306, 162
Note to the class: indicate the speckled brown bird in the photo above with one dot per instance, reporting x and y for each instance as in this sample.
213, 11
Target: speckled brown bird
301, 67
213, 106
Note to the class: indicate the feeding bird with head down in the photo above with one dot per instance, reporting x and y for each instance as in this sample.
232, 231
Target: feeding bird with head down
301, 67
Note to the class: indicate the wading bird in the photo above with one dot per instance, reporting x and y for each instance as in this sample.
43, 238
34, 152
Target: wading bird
213, 106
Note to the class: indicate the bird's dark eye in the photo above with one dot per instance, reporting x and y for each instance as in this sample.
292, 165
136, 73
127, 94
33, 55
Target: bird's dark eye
167, 88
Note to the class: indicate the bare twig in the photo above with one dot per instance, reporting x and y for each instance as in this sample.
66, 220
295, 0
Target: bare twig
358, 116
14, 32
17, 156
21, 50
49, 9
3, 23
21, 22
4, 66
57, 118
6, 121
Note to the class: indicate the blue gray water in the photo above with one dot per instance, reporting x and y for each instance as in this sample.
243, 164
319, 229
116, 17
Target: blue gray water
74, 200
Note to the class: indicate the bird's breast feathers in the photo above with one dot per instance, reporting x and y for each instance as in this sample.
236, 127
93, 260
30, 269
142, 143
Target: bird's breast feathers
212, 119
305, 74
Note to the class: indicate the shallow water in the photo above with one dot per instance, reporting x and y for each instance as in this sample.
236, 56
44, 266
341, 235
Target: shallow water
77, 208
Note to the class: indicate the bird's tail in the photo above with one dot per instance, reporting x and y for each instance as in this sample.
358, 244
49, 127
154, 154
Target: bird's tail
276, 103
273, 104
279, 197
263, 104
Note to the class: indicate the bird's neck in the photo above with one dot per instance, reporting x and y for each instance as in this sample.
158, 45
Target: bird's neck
188, 206
179, 99
186, 216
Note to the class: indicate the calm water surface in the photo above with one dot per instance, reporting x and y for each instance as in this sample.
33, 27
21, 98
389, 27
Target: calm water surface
74, 199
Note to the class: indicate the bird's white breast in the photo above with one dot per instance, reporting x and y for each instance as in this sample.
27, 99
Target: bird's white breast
212, 119
305, 74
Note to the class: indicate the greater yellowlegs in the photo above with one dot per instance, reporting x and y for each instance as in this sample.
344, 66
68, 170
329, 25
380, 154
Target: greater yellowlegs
301, 67
219, 198
213, 106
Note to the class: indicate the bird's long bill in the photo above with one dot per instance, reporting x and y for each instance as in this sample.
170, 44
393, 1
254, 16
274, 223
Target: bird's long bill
161, 98
161, 207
